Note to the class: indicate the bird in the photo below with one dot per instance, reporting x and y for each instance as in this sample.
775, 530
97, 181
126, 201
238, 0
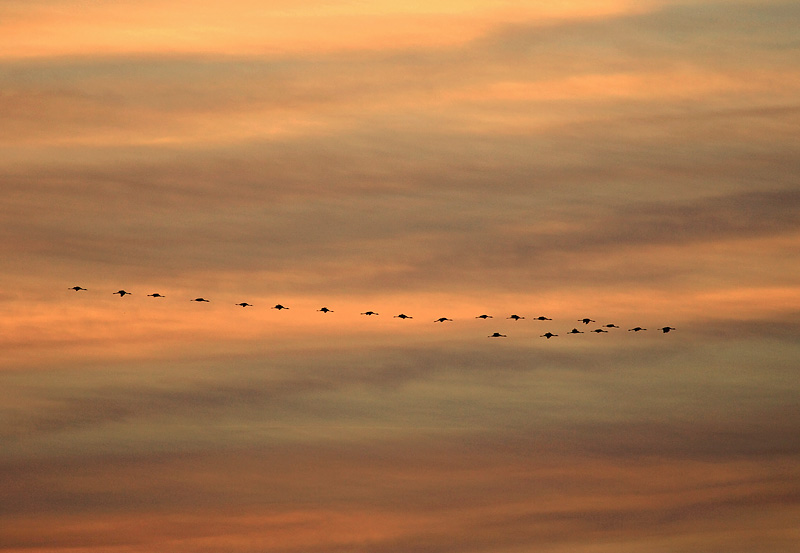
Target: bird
515, 317
325, 310
599, 330
548, 335
155, 295
484, 317
370, 313
586, 321
122, 293
666, 329
245, 304
636, 329
497, 335
611, 325
200, 299
442, 319
402, 316
575, 331
543, 318
77, 288
279, 307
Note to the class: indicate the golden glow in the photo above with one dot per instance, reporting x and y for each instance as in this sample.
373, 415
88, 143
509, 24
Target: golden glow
254, 27
633, 163
84, 118
130, 328
585, 486
600, 87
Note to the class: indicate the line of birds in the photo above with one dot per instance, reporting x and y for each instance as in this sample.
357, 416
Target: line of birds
514, 317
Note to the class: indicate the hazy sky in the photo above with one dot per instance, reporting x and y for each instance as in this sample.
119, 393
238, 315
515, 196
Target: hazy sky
635, 163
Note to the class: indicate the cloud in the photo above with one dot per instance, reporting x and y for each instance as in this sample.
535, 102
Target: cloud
433, 494
363, 390
434, 448
634, 164
172, 216
258, 29
614, 65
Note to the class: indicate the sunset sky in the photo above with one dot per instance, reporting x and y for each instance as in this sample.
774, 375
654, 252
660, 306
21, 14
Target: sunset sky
632, 162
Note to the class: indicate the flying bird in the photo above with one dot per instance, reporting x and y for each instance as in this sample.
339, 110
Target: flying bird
442, 319
611, 325
586, 321
325, 310
77, 288
369, 313
245, 304
548, 335
636, 329
497, 335
279, 307
515, 317
484, 317
122, 293
575, 331
402, 316
599, 330
200, 299
543, 318
155, 295
666, 329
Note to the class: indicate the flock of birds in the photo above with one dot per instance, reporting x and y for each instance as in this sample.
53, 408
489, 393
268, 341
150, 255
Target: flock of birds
514, 317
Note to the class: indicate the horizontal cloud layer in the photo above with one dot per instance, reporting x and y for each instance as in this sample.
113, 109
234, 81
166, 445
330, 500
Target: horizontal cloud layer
632, 163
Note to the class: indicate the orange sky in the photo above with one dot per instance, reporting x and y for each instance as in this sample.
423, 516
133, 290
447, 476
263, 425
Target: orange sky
57, 28
631, 162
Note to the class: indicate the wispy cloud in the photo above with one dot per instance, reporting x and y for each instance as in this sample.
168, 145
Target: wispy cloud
632, 163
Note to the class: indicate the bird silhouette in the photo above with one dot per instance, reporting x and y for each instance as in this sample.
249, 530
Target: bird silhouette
548, 335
